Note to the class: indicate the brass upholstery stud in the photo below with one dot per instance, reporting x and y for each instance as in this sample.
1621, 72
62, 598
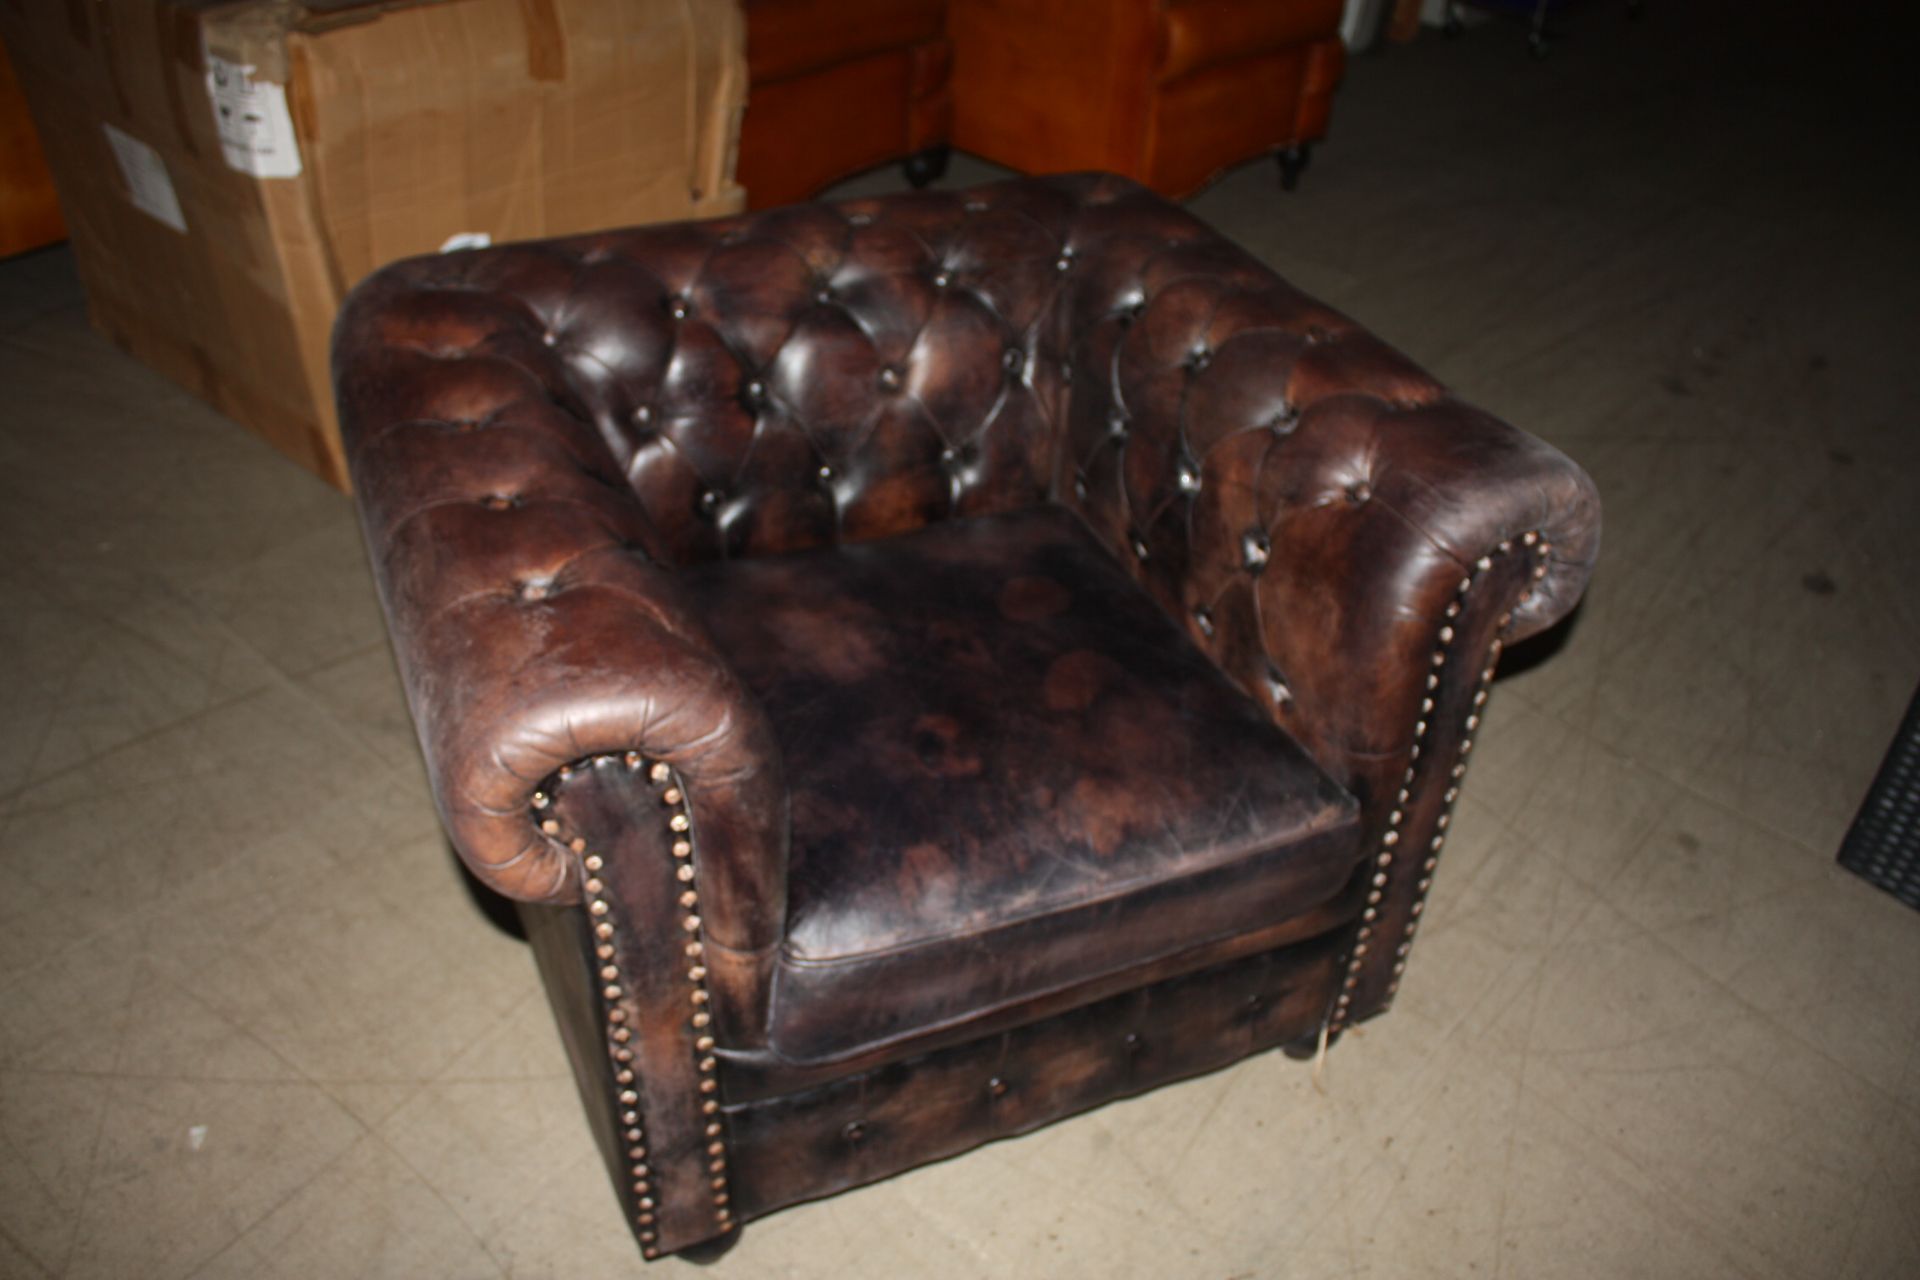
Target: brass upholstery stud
1445, 637
617, 1016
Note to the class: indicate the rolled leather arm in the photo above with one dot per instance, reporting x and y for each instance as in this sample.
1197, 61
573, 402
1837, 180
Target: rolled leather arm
1388, 526
531, 629
1301, 496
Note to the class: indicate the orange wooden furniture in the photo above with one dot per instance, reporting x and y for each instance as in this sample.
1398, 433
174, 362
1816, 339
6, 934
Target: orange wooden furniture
838, 86
29, 210
1168, 92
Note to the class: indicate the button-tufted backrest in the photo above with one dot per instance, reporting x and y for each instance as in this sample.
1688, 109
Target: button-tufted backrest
791, 379
820, 373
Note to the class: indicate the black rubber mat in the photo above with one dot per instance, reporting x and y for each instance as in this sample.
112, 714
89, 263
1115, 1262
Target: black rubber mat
1883, 846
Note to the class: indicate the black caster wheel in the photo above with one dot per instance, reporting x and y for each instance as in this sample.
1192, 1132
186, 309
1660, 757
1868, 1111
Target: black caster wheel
925, 167
1293, 162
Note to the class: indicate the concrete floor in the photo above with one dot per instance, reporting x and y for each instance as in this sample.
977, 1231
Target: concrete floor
250, 1024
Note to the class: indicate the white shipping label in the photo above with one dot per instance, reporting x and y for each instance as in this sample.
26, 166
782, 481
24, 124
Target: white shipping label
256, 131
147, 182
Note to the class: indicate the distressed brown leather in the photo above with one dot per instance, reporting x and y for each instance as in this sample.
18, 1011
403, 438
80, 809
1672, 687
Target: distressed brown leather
996, 745
1026, 603
1169, 92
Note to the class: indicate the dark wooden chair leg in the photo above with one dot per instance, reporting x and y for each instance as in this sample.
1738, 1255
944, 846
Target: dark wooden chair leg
708, 1252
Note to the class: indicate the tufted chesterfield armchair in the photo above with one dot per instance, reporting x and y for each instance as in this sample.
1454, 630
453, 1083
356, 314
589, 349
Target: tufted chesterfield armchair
837, 86
929, 665
1169, 92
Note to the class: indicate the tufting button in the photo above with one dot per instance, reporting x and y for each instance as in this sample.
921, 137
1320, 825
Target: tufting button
550, 338
710, 500
642, 415
754, 393
1132, 1041
1198, 361
860, 219
854, 1132
1359, 491
1189, 478
941, 279
823, 295
997, 1087
1117, 424
889, 378
679, 308
1285, 421
949, 457
1254, 549
1203, 618
535, 590
1139, 545
825, 475
1315, 335
501, 502
1065, 261
1080, 486
1013, 360
1066, 372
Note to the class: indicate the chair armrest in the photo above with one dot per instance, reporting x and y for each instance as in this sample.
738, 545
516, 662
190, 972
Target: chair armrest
1346, 541
1303, 498
530, 630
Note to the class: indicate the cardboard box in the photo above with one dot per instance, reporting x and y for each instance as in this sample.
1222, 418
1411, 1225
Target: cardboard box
230, 168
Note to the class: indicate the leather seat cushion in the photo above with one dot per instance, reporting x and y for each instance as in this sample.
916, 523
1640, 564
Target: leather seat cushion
1010, 774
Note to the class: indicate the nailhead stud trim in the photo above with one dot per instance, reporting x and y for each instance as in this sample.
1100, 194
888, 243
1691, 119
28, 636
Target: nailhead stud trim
679, 825
1541, 549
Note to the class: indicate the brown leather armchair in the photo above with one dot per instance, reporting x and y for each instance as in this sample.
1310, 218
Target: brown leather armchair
1168, 92
932, 664
838, 86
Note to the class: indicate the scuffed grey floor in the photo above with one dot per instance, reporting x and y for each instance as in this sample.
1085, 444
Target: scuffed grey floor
251, 1025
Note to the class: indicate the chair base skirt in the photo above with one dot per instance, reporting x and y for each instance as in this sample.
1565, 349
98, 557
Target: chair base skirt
872, 1124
